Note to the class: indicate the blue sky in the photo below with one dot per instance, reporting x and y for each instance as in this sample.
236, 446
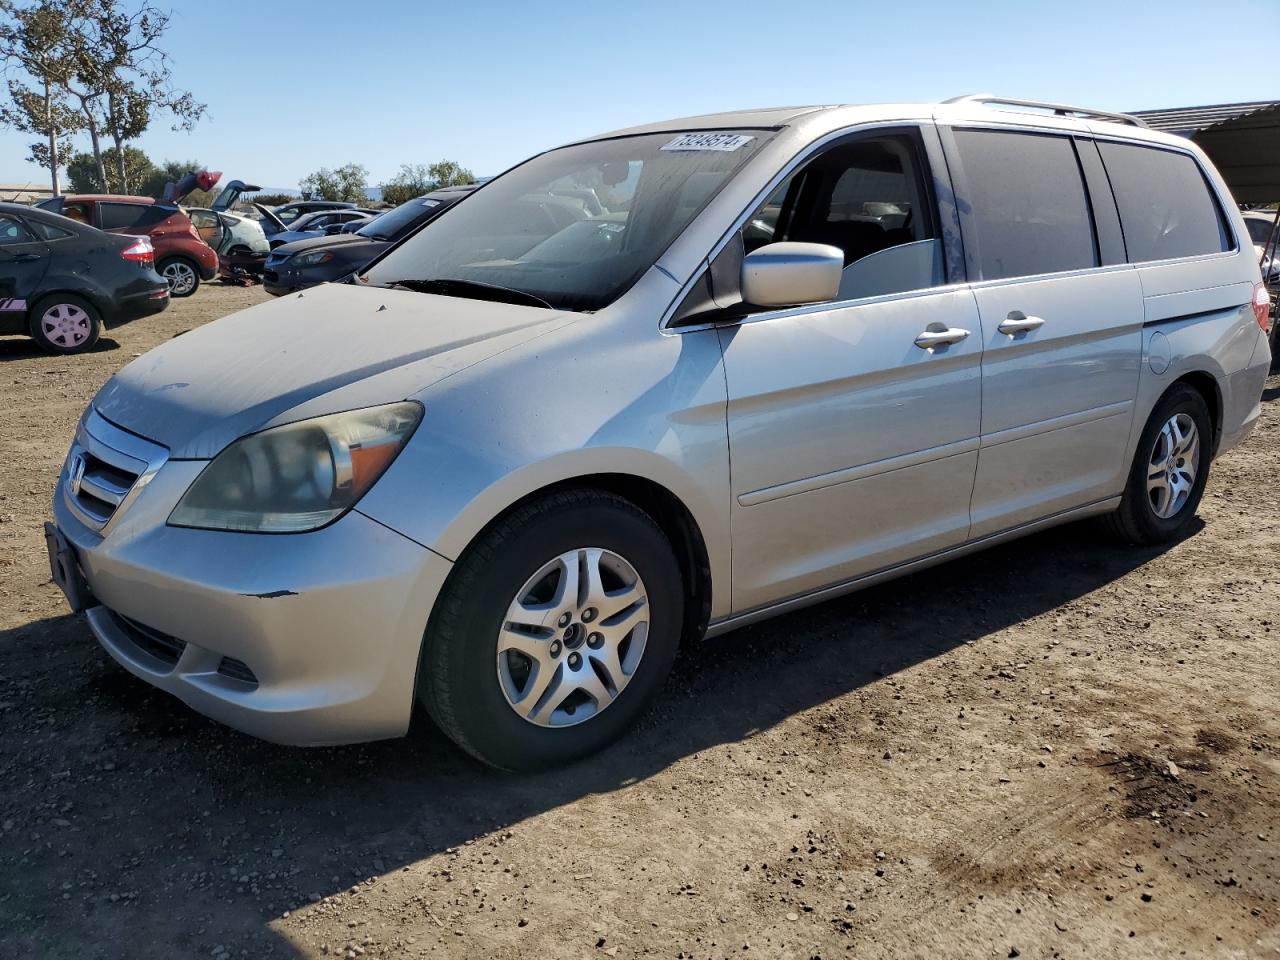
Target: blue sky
292, 87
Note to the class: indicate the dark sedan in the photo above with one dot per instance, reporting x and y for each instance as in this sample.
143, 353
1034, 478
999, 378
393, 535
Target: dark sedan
304, 263
62, 281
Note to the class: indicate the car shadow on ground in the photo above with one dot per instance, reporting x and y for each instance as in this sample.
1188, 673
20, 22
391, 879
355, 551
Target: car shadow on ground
164, 800
24, 348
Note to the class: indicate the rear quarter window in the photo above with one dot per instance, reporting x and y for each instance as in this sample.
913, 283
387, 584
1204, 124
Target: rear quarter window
49, 232
125, 216
1167, 210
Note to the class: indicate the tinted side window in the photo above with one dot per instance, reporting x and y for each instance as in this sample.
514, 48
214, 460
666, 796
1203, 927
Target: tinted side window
1029, 211
79, 212
1166, 208
1259, 230
123, 216
49, 231
12, 231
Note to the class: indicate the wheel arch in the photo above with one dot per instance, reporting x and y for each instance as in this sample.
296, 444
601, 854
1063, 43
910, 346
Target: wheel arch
667, 509
95, 298
1205, 384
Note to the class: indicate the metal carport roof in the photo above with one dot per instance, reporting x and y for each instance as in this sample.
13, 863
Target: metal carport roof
1242, 140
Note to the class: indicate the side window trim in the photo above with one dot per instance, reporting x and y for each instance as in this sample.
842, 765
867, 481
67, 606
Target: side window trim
940, 195
1107, 226
1223, 205
946, 132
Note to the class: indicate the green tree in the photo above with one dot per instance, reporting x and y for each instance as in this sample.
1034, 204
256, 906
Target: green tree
415, 179
122, 78
35, 43
83, 167
270, 200
350, 183
448, 173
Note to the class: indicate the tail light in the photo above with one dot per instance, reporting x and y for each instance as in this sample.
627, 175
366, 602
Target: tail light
1261, 304
140, 251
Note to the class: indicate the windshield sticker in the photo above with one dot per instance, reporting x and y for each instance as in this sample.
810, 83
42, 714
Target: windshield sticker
724, 142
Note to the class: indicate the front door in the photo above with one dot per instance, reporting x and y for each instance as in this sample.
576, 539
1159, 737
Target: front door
1062, 317
853, 426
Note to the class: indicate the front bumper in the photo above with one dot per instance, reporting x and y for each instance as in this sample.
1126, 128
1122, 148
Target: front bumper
271, 284
304, 639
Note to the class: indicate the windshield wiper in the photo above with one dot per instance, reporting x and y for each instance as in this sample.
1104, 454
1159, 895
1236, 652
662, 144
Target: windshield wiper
473, 290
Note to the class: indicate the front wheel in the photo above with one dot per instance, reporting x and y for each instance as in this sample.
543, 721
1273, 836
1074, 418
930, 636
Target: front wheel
554, 632
1169, 472
183, 277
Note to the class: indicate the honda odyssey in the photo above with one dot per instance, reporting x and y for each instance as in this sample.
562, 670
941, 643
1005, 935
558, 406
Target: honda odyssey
653, 385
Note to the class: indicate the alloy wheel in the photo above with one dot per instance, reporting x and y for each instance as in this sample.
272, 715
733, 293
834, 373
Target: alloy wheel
572, 637
181, 277
66, 325
1175, 460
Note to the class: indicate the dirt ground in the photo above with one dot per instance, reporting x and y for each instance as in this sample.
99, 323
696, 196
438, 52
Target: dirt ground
1059, 748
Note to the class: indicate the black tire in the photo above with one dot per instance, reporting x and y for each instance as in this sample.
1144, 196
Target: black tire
1275, 345
1136, 520
457, 677
55, 343
183, 264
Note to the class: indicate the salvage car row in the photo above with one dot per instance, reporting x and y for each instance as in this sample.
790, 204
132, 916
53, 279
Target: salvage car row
74, 265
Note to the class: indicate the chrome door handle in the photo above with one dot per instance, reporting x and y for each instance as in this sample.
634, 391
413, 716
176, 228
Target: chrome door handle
1018, 322
940, 338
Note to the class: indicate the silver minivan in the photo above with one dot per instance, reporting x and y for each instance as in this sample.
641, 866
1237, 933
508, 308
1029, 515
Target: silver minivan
656, 384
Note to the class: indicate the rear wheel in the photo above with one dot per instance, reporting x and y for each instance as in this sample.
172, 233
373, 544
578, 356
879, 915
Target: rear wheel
65, 323
555, 631
1169, 472
182, 275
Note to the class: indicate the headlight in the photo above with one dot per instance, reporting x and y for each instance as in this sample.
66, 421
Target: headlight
312, 259
299, 476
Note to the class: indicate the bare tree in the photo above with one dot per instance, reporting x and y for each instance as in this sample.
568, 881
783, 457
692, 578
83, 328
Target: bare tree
122, 77
35, 44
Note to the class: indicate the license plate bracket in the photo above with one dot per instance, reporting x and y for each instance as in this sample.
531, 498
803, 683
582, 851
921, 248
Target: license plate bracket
64, 569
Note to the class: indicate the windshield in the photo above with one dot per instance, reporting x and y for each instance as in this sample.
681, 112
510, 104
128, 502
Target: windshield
1259, 229
386, 226
576, 226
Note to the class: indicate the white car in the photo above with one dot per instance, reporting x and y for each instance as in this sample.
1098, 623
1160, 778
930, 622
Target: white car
225, 231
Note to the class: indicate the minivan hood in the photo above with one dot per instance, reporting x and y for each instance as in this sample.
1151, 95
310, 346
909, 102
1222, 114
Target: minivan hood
331, 348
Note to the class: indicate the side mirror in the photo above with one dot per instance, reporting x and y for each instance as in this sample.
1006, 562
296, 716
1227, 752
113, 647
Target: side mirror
791, 274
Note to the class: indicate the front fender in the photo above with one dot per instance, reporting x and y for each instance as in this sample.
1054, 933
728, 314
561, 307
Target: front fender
552, 412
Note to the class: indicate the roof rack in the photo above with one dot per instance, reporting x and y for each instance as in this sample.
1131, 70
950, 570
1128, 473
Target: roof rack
1060, 109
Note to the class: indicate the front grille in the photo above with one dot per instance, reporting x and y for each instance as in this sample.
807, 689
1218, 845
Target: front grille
105, 468
97, 486
237, 670
163, 647
270, 276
